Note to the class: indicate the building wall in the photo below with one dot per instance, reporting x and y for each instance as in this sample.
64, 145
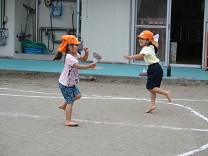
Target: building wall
64, 21
20, 15
8, 49
205, 51
17, 15
105, 28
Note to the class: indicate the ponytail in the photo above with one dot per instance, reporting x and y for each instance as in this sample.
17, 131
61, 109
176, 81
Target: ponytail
156, 49
59, 54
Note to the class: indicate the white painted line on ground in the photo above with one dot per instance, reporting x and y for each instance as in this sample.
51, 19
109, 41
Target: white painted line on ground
189, 108
204, 147
27, 91
101, 122
30, 96
94, 97
114, 98
107, 97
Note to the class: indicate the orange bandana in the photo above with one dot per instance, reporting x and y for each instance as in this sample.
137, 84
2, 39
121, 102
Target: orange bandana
67, 39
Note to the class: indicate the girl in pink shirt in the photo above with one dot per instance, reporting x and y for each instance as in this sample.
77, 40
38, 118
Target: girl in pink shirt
69, 76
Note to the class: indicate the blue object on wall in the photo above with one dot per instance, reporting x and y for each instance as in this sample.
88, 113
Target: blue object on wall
56, 10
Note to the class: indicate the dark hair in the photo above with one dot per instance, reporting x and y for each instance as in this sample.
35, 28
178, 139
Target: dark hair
59, 54
156, 49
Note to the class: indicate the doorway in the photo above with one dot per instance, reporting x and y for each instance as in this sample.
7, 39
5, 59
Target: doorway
186, 35
153, 16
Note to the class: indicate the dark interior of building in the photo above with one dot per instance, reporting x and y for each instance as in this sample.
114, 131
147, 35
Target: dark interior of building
187, 30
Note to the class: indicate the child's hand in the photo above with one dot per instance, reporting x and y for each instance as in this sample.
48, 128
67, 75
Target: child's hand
92, 65
86, 50
126, 56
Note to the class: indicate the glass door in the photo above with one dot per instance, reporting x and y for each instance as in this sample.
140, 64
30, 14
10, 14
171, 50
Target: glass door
154, 16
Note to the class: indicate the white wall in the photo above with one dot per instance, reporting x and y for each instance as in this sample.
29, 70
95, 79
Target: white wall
8, 49
20, 19
64, 21
17, 15
106, 28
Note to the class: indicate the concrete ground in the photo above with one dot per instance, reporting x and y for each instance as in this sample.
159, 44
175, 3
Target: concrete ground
110, 114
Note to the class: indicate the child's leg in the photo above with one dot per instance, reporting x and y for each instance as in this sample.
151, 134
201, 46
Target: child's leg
153, 97
160, 91
152, 102
68, 112
78, 96
63, 105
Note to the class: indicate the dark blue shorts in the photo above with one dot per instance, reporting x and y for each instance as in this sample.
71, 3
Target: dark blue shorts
69, 93
154, 76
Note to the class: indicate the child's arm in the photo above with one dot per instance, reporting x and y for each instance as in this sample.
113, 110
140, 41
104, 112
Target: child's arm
85, 57
133, 57
79, 66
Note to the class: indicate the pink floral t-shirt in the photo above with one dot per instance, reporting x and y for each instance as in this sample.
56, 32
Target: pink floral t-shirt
69, 75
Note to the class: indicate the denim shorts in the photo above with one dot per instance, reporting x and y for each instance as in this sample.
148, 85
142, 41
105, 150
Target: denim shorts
69, 93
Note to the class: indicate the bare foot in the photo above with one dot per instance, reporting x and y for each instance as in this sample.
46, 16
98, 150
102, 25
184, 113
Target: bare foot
168, 96
151, 108
62, 106
72, 124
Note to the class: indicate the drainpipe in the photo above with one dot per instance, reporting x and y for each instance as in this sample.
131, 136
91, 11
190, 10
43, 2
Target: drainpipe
3, 8
78, 20
1, 14
36, 21
78, 33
